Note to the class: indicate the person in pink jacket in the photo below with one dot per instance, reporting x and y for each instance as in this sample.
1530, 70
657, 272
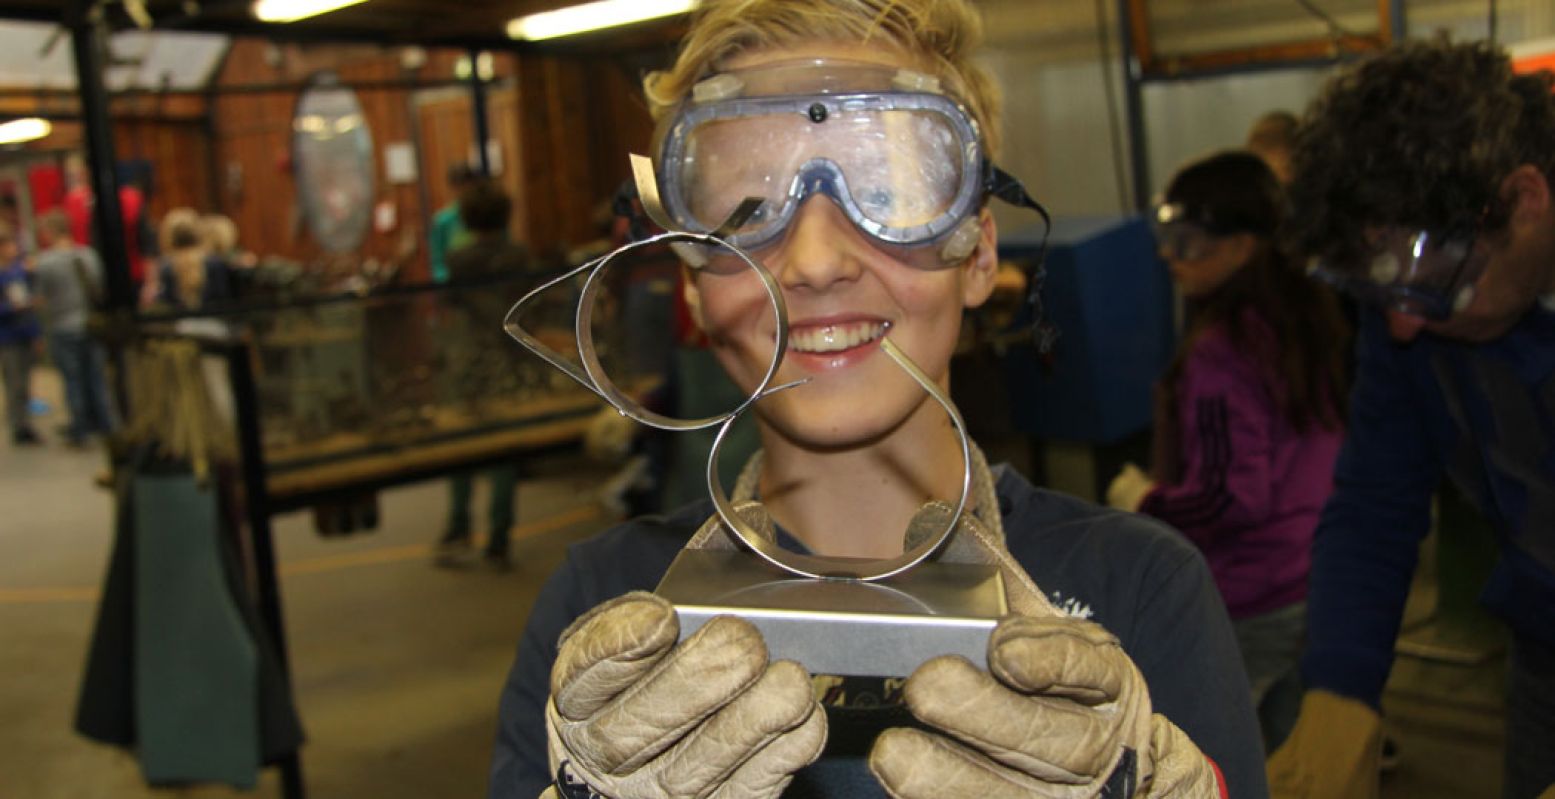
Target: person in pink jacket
1249, 415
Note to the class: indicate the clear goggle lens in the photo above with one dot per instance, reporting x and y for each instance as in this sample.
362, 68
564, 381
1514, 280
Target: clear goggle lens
1183, 241
1414, 272
893, 171
901, 160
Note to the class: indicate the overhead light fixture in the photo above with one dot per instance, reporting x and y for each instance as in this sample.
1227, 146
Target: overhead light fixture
19, 130
293, 10
593, 16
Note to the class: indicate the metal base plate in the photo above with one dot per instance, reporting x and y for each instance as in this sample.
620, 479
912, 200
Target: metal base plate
843, 627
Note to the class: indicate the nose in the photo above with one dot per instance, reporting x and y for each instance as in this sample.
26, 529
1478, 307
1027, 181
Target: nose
1403, 326
817, 250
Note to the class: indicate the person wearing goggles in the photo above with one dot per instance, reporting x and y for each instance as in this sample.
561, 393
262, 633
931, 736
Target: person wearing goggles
904, 162
1410, 274
867, 135
1423, 187
1250, 414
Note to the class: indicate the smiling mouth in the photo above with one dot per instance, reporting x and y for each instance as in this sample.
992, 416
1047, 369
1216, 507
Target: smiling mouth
835, 338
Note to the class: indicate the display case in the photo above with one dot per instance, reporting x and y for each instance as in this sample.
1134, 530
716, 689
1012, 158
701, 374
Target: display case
359, 392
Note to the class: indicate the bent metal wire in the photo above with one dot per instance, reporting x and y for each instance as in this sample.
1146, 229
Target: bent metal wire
591, 375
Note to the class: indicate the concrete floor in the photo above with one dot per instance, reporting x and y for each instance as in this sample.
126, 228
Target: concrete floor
397, 664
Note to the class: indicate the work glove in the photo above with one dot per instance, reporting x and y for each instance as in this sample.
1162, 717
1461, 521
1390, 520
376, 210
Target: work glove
1129, 488
633, 715
1334, 752
1062, 713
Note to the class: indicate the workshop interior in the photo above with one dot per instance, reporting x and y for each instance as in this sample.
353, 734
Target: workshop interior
374, 322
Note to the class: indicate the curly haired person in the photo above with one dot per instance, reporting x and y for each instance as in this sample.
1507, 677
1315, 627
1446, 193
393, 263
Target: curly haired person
1423, 187
868, 134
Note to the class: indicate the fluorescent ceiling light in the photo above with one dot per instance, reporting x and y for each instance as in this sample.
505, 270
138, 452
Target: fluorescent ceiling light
19, 130
293, 10
593, 16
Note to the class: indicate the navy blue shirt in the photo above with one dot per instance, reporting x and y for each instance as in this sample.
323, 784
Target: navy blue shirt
18, 325
1132, 575
1483, 414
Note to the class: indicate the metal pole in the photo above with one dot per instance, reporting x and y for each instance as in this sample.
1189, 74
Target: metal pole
1139, 155
87, 40
256, 500
478, 109
214, 179
1398, 25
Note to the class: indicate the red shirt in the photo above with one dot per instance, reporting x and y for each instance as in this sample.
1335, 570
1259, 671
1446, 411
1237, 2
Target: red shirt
78, 208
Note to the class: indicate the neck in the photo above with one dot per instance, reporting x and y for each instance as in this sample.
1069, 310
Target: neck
857, 502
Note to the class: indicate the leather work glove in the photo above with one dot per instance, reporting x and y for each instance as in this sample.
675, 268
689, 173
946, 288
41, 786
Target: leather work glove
633, 715
1129, 488
1333, 753
1064, 714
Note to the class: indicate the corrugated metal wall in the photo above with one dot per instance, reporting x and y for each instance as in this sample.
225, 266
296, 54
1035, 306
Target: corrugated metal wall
1046, 55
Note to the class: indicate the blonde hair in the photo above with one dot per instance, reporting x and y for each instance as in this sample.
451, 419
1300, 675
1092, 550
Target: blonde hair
184, 245
221, 233
936, 35
180, 230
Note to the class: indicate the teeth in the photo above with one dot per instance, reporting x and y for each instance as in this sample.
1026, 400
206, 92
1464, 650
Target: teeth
835, 338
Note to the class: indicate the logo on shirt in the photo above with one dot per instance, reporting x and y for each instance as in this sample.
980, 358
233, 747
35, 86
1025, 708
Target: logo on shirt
1071, 606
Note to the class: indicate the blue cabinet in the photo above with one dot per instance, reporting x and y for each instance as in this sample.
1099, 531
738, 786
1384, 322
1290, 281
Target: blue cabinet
1110, 297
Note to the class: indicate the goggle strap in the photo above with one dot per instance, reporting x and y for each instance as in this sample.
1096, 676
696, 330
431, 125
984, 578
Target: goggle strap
1006, 187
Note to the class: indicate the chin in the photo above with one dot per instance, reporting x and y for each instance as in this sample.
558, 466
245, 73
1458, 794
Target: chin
829, 426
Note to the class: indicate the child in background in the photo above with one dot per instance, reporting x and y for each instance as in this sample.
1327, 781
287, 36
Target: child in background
1251, 411
18, 338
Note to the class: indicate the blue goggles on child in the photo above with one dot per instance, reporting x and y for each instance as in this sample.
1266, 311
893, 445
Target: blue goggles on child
902, 160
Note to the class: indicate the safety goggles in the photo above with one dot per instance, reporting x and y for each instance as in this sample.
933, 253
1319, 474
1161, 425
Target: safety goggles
1182, 236
902, 160
1411, 271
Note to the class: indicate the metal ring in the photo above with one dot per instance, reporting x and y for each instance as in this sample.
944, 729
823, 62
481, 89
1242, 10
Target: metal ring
592, 375
843, 568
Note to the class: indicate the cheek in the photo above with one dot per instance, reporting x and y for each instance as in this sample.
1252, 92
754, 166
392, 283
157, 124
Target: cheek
727, 299
930, 325
925, 294
736, 312
1225, 269
1502, 287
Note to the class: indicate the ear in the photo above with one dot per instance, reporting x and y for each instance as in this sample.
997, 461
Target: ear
1527, 193
981, 267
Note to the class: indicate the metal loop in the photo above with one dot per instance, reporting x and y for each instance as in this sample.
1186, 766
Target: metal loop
592, 374
831, 567
592, 377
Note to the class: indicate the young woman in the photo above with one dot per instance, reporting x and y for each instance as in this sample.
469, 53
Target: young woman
867, 133
1251, 411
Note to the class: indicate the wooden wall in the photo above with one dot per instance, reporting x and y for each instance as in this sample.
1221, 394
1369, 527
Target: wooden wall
579, 119
253, 133
167, 130
563, 123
